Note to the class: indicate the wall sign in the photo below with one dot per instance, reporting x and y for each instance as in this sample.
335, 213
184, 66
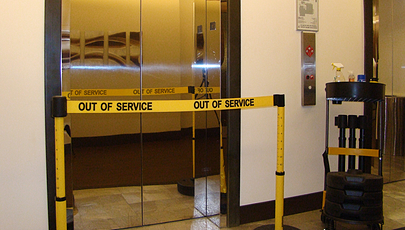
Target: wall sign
307, 15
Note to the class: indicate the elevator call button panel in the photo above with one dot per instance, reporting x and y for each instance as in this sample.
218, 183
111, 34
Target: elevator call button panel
308, 69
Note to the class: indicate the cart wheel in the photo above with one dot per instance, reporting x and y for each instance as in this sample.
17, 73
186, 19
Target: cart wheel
323, 218
330, 224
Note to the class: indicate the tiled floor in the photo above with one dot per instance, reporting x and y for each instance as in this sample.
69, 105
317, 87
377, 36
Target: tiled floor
393, 168
120, 207
114, 208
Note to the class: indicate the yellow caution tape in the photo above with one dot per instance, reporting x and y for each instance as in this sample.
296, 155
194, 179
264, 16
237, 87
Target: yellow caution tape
137, 92
167, 105
202, 90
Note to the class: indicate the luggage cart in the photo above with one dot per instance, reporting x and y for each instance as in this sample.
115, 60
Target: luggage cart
353, 197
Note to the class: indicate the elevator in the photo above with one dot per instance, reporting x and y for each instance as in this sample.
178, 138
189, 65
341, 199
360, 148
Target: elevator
123, 169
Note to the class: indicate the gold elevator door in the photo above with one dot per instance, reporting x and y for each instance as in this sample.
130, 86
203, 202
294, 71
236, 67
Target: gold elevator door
124, 169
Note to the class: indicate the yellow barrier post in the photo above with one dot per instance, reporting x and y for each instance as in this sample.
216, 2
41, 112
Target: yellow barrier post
279, 101
222, 162
280, 165
193, 140
280, 169
59, 111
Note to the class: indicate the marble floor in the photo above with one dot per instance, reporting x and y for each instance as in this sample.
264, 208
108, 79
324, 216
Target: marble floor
117, 208
121, 207
393, 168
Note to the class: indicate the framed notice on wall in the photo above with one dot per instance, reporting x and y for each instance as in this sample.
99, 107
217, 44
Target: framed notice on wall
307, 15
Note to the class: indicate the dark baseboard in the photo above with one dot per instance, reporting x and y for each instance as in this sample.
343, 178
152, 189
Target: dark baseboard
147, 137
293, 205
121, 160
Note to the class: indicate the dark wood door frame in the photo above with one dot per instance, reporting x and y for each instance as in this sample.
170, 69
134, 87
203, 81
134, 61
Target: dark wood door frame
52, 75
369, 107
233, 90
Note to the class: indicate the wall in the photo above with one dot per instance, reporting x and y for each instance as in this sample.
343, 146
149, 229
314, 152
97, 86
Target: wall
23, 194
271, 64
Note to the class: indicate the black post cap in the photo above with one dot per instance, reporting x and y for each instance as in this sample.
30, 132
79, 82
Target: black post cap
362, 122
279, 100
59, 106
191, 89
353, 121
341, 121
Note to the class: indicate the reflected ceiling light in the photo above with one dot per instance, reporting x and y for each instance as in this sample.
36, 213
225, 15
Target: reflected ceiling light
102, 67
147, 68
203, 66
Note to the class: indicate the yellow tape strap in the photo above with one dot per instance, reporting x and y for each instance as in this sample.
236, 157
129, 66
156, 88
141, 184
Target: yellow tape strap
201, 90
137, 92
167, 105
353, 152
66, 94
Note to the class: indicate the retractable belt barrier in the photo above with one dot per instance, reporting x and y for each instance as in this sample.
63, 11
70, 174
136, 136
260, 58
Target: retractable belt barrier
137, 91
136, 106
61, 107
128, 106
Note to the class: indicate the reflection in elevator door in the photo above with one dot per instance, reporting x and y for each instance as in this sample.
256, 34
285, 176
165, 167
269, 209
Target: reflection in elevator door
125, 167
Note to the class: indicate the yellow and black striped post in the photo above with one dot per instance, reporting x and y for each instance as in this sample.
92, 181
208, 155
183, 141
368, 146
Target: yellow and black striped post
59, 111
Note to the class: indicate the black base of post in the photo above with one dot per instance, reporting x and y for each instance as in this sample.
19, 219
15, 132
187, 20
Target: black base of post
272, 227
69, 219
186, 187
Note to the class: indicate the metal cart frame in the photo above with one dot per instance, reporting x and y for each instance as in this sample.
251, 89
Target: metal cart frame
337, 92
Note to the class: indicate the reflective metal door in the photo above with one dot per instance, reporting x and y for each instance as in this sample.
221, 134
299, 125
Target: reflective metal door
126, 167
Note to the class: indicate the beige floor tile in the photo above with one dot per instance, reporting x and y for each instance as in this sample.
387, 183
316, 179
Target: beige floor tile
114, 208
